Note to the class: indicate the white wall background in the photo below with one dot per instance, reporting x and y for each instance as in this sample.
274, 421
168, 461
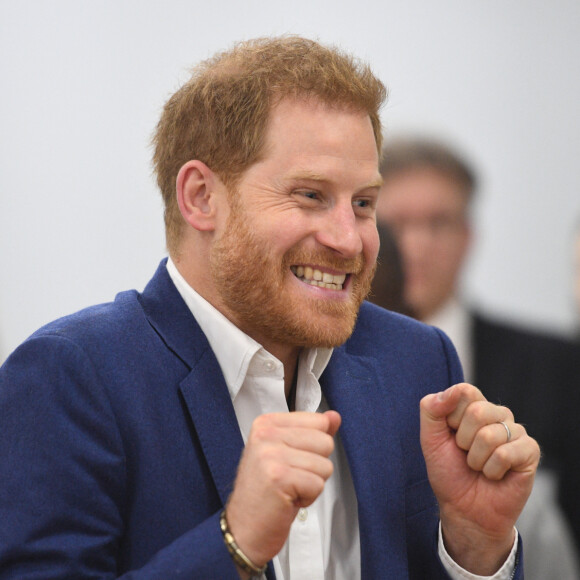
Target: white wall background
83, 82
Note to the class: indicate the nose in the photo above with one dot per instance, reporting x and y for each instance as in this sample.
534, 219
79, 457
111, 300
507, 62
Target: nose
339, 230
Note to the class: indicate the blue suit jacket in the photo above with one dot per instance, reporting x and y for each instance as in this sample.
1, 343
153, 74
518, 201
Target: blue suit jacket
119, 443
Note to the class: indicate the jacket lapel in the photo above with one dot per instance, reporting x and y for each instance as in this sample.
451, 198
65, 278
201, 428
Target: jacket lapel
209, 404
353, 388
204, 389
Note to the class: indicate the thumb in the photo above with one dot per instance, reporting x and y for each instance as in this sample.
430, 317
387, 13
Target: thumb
334, 422
434, 410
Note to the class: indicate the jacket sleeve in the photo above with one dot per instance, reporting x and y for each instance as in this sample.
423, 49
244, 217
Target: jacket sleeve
63, 498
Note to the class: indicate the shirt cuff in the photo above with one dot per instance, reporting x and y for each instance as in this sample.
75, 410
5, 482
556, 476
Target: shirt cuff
456, 572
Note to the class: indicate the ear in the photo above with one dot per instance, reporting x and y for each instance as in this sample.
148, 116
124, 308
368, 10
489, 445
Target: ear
195, 187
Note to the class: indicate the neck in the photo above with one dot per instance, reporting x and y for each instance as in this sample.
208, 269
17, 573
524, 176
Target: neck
289, 359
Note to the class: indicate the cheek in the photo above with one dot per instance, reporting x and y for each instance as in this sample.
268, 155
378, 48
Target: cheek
454, 253
370, 240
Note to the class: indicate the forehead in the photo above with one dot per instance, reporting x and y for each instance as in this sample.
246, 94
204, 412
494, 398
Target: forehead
303, 127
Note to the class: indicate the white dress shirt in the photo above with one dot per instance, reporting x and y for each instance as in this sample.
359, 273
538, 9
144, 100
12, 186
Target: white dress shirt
324, 538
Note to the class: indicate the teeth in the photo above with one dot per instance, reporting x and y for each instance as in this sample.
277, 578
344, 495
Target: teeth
315, 277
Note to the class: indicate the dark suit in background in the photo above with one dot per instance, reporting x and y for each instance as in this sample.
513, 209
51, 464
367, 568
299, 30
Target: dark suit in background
521, 369
537, 376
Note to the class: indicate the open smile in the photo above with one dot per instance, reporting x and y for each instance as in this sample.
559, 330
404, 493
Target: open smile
316, 277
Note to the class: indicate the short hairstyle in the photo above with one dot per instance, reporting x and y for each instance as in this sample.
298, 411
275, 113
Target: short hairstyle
404, 154
219, 116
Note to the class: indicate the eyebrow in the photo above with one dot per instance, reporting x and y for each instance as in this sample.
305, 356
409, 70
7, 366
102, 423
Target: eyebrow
313, 176
376, 183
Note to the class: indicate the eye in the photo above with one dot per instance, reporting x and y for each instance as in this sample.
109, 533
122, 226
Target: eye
308, 197
364, 206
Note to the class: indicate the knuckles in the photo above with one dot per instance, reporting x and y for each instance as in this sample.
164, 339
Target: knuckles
276, 472
488, 437
263, 432
477, 411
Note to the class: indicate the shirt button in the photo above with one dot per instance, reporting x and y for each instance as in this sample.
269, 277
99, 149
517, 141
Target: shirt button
270, 365
302, 514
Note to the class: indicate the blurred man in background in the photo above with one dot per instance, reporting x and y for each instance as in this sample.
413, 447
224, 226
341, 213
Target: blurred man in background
426, 201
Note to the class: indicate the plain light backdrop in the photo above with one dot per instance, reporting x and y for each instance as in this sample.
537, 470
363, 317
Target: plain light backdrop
83, 83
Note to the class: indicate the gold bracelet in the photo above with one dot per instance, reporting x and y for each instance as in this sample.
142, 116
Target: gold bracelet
239, 558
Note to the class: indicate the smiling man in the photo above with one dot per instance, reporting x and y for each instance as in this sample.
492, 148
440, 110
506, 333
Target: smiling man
249, 414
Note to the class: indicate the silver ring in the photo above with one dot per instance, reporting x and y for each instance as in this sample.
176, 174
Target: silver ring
507, 430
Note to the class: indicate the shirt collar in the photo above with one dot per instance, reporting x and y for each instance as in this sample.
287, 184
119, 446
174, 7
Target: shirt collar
233, 348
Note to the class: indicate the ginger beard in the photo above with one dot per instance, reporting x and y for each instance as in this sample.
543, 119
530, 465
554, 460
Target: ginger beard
254, 286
